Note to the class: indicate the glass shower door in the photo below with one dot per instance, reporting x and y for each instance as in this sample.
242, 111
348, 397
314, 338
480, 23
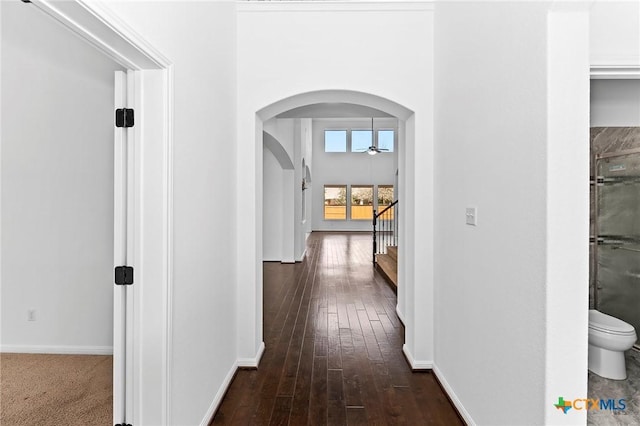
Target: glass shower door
618, 229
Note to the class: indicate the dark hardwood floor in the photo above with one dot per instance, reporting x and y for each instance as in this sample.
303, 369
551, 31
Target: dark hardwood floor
333, 348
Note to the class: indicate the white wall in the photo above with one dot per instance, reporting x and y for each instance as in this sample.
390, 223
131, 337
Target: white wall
615, 103
567, 221
57, 187
615, 33
272, 216
279, 189
199, 38
284, 227
273, 65
303, 158
331, 168
500, 149
306, 134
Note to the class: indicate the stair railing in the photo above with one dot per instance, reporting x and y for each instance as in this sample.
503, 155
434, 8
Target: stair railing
385, 229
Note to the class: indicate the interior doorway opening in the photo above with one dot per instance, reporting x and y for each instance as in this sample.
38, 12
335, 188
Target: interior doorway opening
302, 107
149, 193
57, 221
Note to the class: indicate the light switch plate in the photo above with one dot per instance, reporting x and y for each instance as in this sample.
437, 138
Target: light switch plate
472, 216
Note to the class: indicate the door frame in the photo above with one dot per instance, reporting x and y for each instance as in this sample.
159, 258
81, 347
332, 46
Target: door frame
150, 81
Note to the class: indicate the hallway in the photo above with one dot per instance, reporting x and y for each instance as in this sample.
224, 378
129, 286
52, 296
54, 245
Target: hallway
333, 348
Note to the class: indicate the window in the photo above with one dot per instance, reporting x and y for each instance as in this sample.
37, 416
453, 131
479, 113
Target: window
335, 141
385, 196
362, 202
360, 140
335, 202
385, 140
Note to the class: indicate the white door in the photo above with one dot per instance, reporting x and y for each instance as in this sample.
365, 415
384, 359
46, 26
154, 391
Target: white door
123, 256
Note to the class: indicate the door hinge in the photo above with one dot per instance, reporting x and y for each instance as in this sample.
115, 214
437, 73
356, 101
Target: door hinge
124, 117
124, 275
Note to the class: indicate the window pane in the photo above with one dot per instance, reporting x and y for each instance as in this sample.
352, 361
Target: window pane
335, 141
385, 198
385, 139
360, 140
335, 202
361, 202
385, 195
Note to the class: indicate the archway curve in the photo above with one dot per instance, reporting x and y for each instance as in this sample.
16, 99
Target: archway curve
307, 174
335, 96
273, 145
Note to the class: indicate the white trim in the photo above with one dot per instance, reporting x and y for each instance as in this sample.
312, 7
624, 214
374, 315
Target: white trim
95, 23
401, 112
252, 362
453, 397
119, 243
400, 314
302, 256
616, 72
57, 349
167, 362
415, 364
335, 6
219, 395
134, 249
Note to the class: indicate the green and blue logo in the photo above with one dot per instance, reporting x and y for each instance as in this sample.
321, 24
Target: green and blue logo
615, 405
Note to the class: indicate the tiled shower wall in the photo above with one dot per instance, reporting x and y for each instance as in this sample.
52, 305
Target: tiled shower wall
606, 140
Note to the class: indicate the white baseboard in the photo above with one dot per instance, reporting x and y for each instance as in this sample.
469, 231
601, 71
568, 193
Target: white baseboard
454, 398
240, 363
57, 350
400, 315
219, 395
301, 258
416, 364
252, 362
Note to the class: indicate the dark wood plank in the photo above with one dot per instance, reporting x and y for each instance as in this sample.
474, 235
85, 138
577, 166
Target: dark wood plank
300, 408
318, 398
357, 416
370, 341
336, 413
387, 324
334, 385
281, 411
333, 348
350, 364
333, 343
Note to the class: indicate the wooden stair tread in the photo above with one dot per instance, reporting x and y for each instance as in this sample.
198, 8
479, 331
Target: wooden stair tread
389, 267
393, 252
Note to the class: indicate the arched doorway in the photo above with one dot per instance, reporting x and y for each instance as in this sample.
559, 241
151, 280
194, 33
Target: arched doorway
419, 327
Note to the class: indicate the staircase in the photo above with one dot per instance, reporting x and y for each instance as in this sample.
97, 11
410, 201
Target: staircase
388, 265
385, 243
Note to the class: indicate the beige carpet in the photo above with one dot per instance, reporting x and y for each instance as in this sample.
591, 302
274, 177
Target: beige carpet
55, 389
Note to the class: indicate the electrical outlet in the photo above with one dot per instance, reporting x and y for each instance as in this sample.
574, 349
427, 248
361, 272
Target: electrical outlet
31, 314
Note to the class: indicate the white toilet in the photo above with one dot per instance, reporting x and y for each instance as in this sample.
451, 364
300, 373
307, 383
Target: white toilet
609, 338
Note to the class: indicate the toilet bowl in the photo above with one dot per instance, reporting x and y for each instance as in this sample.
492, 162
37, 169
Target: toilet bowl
609, 338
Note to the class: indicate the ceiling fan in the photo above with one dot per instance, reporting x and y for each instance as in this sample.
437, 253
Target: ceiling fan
373, 149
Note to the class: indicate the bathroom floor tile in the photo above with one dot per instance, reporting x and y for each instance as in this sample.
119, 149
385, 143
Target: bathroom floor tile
617, 389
